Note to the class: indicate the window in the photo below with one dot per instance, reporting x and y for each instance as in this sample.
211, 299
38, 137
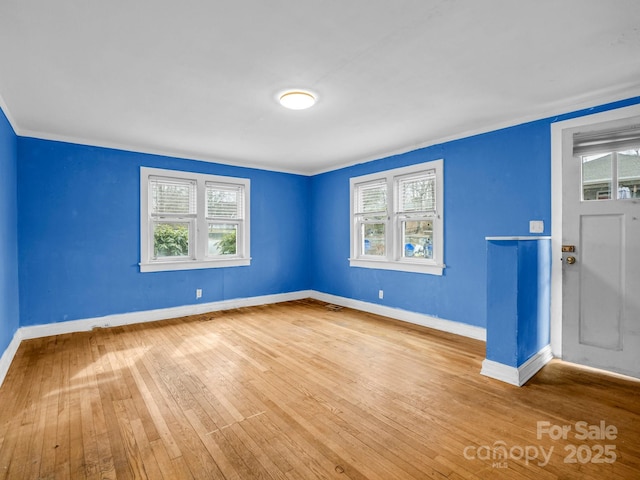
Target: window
191, 220
397, 219
610, 161
602, 171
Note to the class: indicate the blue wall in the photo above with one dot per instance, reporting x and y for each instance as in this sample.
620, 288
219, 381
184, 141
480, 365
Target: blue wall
9, 310
79, 233
494, 184
78, 228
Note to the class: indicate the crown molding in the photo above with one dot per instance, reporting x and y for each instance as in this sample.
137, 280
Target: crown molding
7, 113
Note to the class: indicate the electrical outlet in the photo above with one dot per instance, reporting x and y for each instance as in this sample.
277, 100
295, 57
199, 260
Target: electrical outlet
198, 293
380, 294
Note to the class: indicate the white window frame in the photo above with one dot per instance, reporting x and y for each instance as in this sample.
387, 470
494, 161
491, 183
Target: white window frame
394, 258
198, 257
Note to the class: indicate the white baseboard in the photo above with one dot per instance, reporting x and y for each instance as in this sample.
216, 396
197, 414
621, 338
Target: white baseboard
7, 356
37, 331
517, 376
83, 325
458, 328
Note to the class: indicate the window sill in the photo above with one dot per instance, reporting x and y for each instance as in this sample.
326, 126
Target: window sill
193, 265
430, 269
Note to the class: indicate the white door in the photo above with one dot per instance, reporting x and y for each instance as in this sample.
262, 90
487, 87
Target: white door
601, 246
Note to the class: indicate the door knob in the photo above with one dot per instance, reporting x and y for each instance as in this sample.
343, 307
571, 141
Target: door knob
571, 260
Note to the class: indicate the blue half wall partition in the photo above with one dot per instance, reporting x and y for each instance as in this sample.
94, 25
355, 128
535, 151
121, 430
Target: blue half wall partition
79, 229
518, 298
9, 292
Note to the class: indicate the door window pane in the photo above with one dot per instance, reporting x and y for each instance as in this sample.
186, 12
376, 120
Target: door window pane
373, 236
417, 238
596, 176
223, 239
170, 239
629, 174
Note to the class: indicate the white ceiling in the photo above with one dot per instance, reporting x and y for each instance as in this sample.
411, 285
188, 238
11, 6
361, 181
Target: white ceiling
199, 79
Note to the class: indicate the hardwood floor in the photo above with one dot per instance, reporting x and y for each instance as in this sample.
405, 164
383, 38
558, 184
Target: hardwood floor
300, 391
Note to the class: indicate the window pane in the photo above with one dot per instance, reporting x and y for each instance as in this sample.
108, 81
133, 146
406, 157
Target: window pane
170, 239
372, 197
373, 239
223, 239
418, 193
172, 196
417, 238
596, 177
224, 201
629, 174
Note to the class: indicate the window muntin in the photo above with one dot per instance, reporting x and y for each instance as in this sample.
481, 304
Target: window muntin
397, 219
191, 220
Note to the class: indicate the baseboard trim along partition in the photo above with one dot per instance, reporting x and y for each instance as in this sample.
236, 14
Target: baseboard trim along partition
517, 376
83, 325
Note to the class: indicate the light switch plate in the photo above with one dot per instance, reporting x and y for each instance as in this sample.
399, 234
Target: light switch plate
536, 226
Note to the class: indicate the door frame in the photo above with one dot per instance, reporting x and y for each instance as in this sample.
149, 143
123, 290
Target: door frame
557, 134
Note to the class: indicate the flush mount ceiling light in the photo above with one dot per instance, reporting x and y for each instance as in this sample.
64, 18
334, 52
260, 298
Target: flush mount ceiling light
297, 99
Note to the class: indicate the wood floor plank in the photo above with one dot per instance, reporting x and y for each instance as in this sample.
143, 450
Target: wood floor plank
168, 384
18, 422
49, 421
64, 454
156, 408
87, 391
298, 391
